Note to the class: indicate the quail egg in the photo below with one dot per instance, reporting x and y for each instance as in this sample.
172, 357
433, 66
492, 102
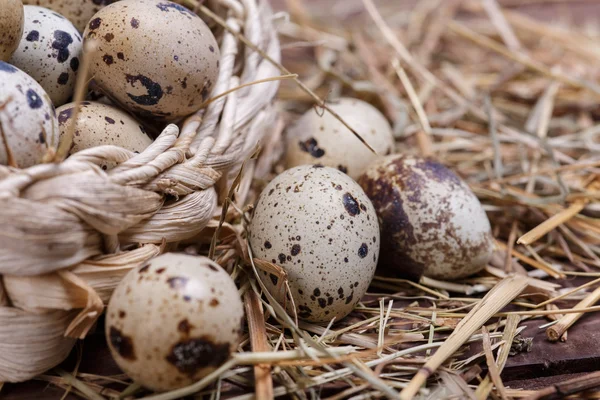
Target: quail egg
320, 227
319, 138
11, 27
28, 118
79, 12
49, 52
431, 223
173, 321
165, 79
100, 124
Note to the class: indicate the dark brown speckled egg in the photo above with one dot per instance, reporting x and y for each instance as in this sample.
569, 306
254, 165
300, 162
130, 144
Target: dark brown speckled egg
11, 27
49, 52
100, 124
320, 227
173, 321
155, 57
431, 222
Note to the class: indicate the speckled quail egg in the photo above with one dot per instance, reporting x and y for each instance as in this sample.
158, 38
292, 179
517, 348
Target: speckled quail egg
173, 321
11, 27
79, 12
431, 223
164, 79
28, 120
49, 52
100, 124
319, 138
320, 227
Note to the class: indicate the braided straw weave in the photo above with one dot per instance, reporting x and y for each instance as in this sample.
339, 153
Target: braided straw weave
70, 231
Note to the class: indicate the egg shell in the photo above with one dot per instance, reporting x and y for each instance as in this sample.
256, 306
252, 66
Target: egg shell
28, 119
11, 27
79, 12
431, 222
165, 79
100, 124
173, 321
320, 227
320, 138
49, 52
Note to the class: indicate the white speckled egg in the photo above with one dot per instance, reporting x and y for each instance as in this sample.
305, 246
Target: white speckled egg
320, 138
431, 223
164, 79
28, 120
174, 321
49, 52
320, 227
100, 124
79, 12
11, 27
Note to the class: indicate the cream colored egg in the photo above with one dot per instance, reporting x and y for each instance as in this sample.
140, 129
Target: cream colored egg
49, 52
431, 223
79, 12
173, 321
11, 27
28, 119
320, 227
155, 57
100, 124
319, 138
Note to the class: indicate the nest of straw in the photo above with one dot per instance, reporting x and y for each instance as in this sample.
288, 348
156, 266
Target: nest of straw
507, 102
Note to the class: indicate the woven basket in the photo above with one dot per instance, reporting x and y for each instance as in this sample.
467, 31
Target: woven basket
71, 231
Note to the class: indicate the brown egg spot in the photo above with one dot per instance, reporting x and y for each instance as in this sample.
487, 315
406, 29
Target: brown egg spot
212, 267
177, 282
154, 90
122, 314
214, 302
108, 59
135, 23
95, 23
343, 168
204, 93
267, 245
65, 115
350, 204
191, 355
122, 344
438, 172
144, 268
184, 327
108, 37
311, 146
363, 250
304, 311
349, 298
296, 249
